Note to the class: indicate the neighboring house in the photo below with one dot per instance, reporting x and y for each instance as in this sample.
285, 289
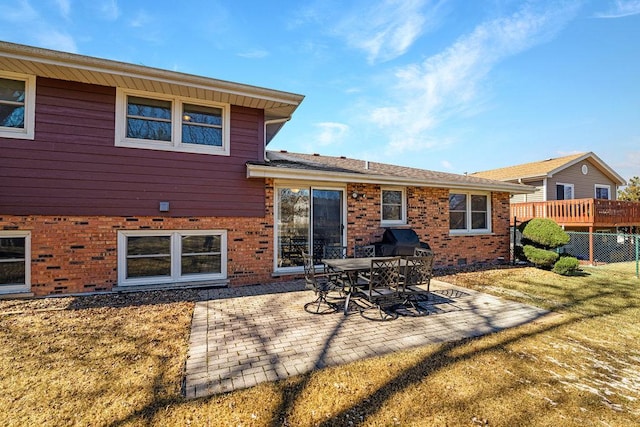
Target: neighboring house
577, 191
118, 176
578, 176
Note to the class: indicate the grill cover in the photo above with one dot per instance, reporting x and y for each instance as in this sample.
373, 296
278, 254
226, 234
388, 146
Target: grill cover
399, 242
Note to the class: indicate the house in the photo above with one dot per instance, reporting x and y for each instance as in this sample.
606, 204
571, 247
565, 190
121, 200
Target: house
577, 176
118, 176
577, 191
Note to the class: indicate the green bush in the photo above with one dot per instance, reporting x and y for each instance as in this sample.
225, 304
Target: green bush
545, 233
566, 265
540, 257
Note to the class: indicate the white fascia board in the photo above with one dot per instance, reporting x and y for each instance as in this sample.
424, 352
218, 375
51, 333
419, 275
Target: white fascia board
261, 171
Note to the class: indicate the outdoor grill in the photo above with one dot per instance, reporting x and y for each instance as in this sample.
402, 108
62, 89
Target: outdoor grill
399, 242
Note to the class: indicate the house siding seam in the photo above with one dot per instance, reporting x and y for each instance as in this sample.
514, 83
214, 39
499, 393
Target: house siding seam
73, 167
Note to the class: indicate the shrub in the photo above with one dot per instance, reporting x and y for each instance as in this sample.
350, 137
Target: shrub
544, 232
540, 257
566, 265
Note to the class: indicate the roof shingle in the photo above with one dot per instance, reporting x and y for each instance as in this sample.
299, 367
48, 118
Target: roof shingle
526, 170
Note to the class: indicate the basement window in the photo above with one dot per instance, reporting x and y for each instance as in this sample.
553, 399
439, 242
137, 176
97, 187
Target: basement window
15, 261
162, 256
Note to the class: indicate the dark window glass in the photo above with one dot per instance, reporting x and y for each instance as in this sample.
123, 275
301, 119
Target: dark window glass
478, 220
148, 245
457, 220
148, 256
391, 205
148, 267
457, 211
602, 193
202, 125
12, 98
148, 119
198, 264
457, 202
201, 254
479, 212
12, 261
479, 203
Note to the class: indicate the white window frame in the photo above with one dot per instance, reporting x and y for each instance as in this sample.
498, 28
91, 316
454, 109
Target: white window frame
573, 190
595, 191
28, 131
175, 252
26, 287
403, 208
177, 103
470, 230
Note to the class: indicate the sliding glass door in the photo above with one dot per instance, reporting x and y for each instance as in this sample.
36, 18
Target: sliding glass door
308, 218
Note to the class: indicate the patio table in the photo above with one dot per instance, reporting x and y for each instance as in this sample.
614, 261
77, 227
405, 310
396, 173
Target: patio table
351, 267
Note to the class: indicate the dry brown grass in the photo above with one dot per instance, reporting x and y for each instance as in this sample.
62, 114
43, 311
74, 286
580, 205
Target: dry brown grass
96, 361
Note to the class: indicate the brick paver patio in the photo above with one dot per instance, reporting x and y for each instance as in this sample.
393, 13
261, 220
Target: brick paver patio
244, 336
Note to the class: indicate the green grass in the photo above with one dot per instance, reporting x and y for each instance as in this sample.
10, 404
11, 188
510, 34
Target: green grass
118, 361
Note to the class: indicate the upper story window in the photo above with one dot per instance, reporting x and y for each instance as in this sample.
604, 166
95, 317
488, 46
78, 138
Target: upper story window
469, 213
603, 192
17, 105
158, 122
394, 209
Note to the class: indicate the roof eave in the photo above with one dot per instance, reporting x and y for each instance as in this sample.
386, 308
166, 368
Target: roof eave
115, 68
266, 171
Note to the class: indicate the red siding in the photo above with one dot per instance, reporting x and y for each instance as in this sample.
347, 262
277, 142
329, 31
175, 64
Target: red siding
74, 168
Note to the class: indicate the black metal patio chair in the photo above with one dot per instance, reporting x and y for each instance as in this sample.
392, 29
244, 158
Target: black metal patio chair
321, 284
335, 252
379, 288
340, 279
364, 251
417, 274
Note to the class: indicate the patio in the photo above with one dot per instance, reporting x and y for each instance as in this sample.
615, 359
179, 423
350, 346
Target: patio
243, 336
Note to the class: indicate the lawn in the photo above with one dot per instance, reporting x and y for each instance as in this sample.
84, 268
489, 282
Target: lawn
117, 360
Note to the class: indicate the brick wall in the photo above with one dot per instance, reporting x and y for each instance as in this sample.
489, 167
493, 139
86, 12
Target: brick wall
79, 254
428, 215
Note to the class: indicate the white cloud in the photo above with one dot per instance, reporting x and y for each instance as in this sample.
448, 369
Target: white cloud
449, 83
446, 164
254, 54
41, 32
385, 30
620, 9
65, 7
331, 133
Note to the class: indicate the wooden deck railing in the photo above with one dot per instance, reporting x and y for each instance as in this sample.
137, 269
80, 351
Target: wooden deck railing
580, 212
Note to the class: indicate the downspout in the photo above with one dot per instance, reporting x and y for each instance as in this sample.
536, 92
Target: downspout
267, 123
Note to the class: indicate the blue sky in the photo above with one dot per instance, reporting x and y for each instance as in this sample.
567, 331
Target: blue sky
457, 86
